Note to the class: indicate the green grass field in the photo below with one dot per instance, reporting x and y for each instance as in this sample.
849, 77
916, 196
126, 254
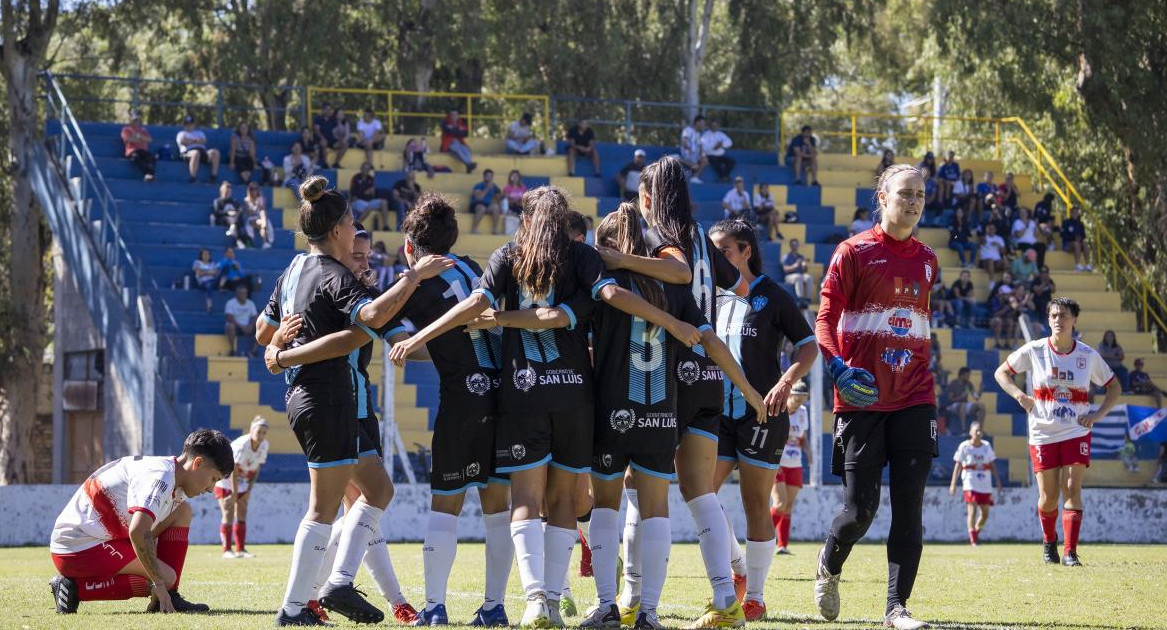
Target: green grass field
992, 586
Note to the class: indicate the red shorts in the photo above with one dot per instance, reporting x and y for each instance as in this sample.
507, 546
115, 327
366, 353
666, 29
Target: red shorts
223, 493
980, 498
104, 560
791, 476
1065, 453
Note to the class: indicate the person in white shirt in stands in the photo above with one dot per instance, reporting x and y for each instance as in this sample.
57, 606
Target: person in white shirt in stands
797, 272
629, 176
691, 154
297, 167
521, 138
240, 314
992, 248
370, 134
713, 145
192, 146
764, 210
234, 490
736, 203
977, 470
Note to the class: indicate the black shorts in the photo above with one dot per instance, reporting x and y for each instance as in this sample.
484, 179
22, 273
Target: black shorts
609, 466
204, 157
702, 421
745, 440
462, 452
864, 439
528, 440
369, 437
325, 426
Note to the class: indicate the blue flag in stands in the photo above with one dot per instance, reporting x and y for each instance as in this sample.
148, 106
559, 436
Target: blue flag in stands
1107, 435
1147, 422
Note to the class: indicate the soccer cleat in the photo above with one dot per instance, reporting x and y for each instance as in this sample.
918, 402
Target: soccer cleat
554, 615
647, 621
628, 613
244, 554
435, 617
350, 602
754, 610
732, 617
314, 606
900, 619
739, 586
567, 605
606, 618
536, 615
1070, 559
64, 595
491, 617
305, 618
1050, 552
404, 614
782, 551
180, 605
229, 555
826, 591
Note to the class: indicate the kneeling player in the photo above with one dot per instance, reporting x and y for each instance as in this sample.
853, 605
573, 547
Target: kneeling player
1061, 371
975, 465
234, 491
124, 532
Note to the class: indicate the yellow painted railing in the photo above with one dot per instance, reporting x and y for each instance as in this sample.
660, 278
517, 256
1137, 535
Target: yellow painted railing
854, 127
489, 108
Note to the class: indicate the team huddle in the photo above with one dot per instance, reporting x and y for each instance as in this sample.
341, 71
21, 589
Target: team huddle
573, 378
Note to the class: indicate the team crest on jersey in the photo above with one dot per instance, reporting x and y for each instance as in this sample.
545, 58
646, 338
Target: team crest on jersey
606, 460
928, 272
518, 451
1081, 363
900, 322
688, 372
623, 419
759, 302
896, 358
525, 379
479, 383
472, 470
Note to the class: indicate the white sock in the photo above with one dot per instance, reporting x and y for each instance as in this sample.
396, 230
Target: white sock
558, 545
380, 567
566, 591
437, 553
631, 593
654, 560
500, 555
737, 557
307, 552
713, 538
329, 557
605, 542
528, 540
360, 524
758, 558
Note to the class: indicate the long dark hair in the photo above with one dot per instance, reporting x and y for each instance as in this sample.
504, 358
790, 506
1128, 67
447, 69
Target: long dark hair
541, 243
743, 233
621, 231
672, 208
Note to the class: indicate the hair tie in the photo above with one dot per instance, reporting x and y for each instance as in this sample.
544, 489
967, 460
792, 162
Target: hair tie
315, 196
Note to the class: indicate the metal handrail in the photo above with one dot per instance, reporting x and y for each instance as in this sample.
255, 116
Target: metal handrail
629, 124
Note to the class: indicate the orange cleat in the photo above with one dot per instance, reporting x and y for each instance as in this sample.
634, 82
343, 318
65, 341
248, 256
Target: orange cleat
318, 610
753, 610
404, 614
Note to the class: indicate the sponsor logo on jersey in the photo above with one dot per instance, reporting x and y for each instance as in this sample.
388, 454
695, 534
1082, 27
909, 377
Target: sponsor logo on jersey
896, 358
759, 302
1064, 413
157, 491
906, 289
560, 377
479, 383
472, 470
622, 420
1057, 374
452, 476
877, 261
518, 451
525, 379
1062, 395
900, 322
928, 272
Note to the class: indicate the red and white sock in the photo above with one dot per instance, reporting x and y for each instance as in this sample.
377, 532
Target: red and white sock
172, 546
784, 530
240, 535
111, 588
1049, 525
1071, 526
974, 536
225, 535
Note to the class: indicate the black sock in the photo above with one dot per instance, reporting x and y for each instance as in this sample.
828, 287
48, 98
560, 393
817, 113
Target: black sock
908, 474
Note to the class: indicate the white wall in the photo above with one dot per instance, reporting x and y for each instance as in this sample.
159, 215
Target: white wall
1111, 515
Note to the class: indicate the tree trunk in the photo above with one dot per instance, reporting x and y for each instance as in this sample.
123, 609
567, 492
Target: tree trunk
695, 55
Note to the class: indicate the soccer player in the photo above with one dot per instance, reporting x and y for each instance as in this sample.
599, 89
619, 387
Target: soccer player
234, 491
756, 328
322, 402
873, 330
681, 253
788, 481
545, 418
1061, 370
124, 532
977, 469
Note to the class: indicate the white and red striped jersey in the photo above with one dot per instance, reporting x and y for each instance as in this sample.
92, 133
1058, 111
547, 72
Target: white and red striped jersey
875, 315
976, 464
101, 508
799, 426
247, 462
1061, 387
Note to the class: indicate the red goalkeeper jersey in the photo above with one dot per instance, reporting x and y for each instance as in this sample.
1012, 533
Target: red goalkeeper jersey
874, 314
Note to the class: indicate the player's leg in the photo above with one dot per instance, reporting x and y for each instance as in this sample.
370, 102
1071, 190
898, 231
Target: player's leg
227, 508
653, 477
777, 507
608, 489
696, 462
984, 518
500, 550
439, 549
327, 485
970, 508
362, 523
583, 517
630, 593
756, 481
791, 496
240, 528
908, 474
1071, 478
1048, 489
559, 531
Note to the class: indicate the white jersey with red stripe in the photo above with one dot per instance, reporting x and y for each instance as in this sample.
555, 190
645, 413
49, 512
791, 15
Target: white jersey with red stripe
1061, 387
101, 508
247, 462
976, 463
799, 425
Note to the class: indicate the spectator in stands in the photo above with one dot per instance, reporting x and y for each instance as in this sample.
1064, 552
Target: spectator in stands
1043, 213
405, 193
1111, 352
962, 238
371, 135
691, 153
933, 209
797, 271
379, 264
312, 148
258, 220
297, 167
628, 178
206, 275
1025, 267
581, 140
454, 133
764, 210
231, 273
240, 314
485, 198
947, 177
1007, 192
713, 145
992, 254
998, 217
1043, 289
802, 156
341, 137
323, 126
860, 221
362, 194
1025, 236
226, 212
736, 202
889, 158
1141, 384
1074, 240
512, 201
137, 145
521, 138
943, 313
929, 162
963, 195
413, 157
939, 374
192, 146
964, 303
1004, 323
1025, 300
963, 397
242, 152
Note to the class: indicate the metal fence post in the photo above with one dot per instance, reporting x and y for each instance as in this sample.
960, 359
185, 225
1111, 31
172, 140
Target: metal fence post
553, 104
219, 99
628, 122
136, 83
854, 136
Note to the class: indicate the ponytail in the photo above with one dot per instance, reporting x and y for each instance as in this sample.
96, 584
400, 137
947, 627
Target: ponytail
621, 231
541, 243
321, 208
672, 209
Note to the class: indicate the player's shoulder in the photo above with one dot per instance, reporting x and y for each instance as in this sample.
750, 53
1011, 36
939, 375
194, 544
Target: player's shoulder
241, 440
964, 445
1082, 348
